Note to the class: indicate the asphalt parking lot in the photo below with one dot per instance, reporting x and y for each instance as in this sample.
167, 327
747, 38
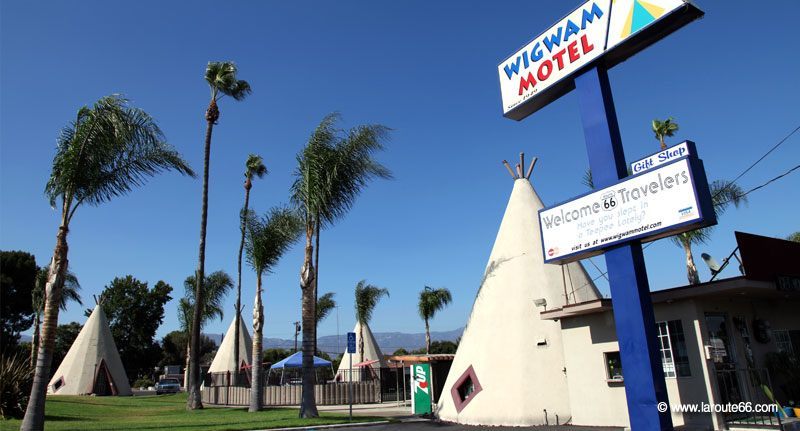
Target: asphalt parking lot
440, 426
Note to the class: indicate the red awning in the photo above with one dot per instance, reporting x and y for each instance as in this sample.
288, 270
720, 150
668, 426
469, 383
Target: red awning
365, 363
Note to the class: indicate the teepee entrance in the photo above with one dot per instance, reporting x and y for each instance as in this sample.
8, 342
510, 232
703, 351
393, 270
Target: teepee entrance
103, 382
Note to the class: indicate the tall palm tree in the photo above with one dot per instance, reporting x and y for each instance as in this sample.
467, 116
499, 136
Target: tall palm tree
367, 297
332, 170
267, 240
68, 293
216, 286
662, 129
325, 304
221, 78
723, 193
254, 167
430, 301
105, 152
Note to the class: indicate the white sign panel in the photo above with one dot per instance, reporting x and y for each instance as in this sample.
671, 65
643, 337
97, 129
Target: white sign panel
644, 206
591, 30
572, 43
660, 158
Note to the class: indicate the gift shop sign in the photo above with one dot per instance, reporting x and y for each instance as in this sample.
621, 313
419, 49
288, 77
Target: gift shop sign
663, 201
540, 72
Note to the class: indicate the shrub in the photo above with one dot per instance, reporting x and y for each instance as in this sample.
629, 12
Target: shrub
15, 385
142, 382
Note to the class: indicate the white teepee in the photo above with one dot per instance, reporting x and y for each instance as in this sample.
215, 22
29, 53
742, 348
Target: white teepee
509, 367
224, 359
92, 364
371, 353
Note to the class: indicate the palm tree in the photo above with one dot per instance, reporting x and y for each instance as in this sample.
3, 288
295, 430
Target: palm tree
215, 288
254, 167
68, 293
325, 304
221, 78
662, 129
367, 297
105, 152
332, 170
430, 301
723, 193
267, 240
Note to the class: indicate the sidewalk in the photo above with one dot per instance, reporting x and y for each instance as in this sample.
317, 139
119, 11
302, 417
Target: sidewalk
389, 409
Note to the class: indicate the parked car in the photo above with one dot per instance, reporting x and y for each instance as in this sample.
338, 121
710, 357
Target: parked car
168, 386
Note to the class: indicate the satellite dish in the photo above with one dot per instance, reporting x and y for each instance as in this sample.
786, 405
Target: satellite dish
712, 264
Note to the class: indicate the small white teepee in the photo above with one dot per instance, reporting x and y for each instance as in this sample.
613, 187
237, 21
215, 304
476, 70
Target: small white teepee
509, 367
371, 353
224, 359
92, 364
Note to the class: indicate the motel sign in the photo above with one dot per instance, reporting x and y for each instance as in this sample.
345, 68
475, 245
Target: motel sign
576, 53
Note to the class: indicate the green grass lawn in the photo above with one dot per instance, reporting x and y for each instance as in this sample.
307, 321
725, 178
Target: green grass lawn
165, 412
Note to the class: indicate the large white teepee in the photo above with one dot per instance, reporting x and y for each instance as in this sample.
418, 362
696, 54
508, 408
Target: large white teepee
92, 364
224, 359
371, 353
509, 367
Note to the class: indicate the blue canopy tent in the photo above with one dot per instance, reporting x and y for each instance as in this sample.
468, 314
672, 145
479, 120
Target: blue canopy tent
295, 361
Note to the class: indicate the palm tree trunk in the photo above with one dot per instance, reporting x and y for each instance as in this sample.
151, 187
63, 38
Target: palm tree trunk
316, 282
691, 269
239, 282
427, 338
186, 367
34, 414
35, 340
308, 406
193, 400
360, 342
256, 389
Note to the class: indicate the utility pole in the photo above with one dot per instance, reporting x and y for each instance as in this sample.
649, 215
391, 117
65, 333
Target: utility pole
296, 331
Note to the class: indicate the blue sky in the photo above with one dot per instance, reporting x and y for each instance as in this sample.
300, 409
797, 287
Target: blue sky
425, 69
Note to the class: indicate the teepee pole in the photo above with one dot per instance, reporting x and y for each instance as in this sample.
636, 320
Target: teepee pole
530, 168
521, 163
510, 171
519, 171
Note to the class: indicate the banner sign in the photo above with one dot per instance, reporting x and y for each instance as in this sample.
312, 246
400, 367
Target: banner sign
660, 202
672, 153
538, 73
421, 389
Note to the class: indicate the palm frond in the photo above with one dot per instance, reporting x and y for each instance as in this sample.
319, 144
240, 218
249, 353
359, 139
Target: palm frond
432, 300
325, 304
268, 238
107, 151
68, 293
255, 167
216, 285
587, 179
724, 193
333, 169
221, 77
367, 297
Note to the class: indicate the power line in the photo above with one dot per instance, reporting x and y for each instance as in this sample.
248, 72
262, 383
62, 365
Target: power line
762, 185
756, 162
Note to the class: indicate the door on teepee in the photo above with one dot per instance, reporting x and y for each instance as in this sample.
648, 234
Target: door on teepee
102, 381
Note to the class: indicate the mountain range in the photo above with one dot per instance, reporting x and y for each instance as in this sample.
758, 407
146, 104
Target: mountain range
387, 341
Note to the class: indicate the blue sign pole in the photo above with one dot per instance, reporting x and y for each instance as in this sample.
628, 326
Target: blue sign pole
630, 292
351, 348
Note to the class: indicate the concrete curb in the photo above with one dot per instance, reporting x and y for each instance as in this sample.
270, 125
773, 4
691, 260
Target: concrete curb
331, 426
348, 425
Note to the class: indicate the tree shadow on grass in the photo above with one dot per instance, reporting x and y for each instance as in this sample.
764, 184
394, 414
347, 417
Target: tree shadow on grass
57, 418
